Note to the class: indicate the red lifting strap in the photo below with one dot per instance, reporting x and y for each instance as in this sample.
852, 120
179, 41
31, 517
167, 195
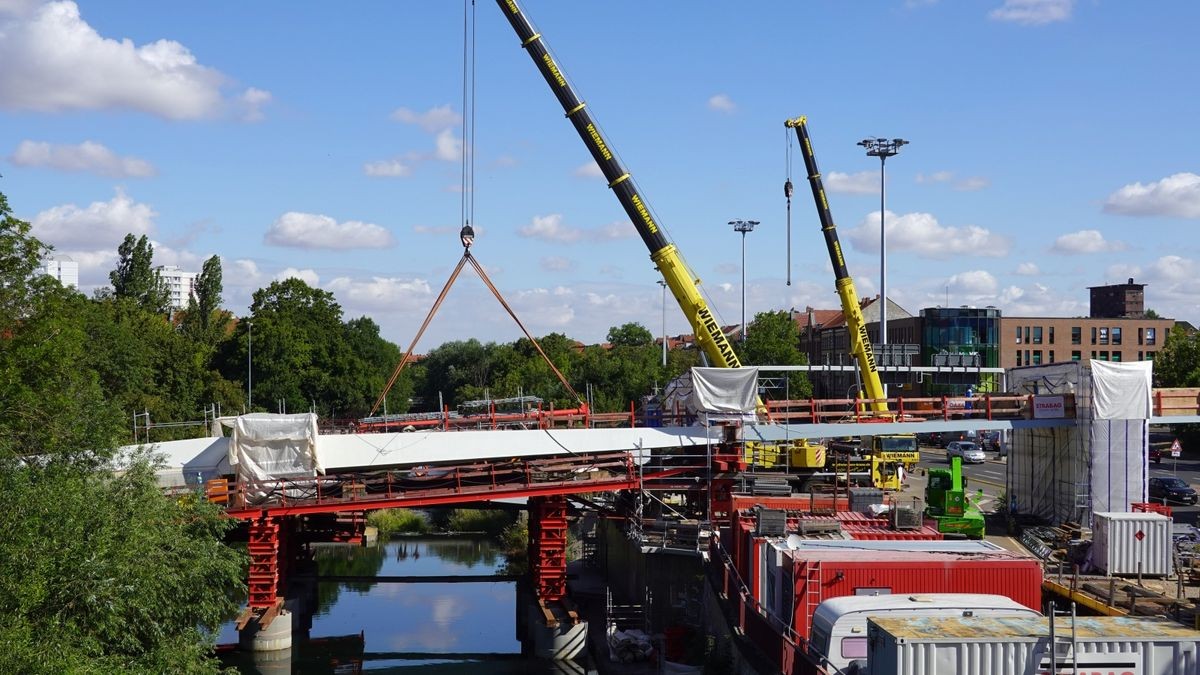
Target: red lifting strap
437, 305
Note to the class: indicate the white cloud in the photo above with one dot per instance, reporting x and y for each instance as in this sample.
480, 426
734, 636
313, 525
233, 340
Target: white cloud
1028, 269
18, 7
182, 258
1033, 12
308, 276
87, 156
556, 263
382, 293
311, 230
552, 228
1174, 268
922, 234
251, 103
387, 168
973, 283
935, 177
972, 184
968, 184
54, 61
100, 224
589, 170
722, 103
1084, 242
432, 121
618, 229
861, 183
243, 272
448, 147
1177, 196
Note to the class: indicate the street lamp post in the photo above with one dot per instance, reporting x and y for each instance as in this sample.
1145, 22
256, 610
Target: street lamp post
743, 226
249, 366
882, 148
664, 321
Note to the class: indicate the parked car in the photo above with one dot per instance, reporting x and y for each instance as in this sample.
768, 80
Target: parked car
969, 451
1170, 489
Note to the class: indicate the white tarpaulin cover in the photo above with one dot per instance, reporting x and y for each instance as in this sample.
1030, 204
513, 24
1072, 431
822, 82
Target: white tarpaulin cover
1121, 391
1119, 463
725, 391
265, 446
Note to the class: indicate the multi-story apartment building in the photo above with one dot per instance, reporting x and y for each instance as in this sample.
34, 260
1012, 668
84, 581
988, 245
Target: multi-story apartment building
180, 285
66, 271
1032, 341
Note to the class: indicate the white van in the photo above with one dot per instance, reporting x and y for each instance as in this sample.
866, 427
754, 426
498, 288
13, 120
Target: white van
839, 626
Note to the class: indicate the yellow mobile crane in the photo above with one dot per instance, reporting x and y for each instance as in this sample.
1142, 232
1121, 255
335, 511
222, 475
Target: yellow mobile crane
663, 253
896, 448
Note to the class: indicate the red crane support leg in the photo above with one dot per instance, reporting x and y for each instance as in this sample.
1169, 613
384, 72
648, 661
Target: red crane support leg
548, 547
265, 554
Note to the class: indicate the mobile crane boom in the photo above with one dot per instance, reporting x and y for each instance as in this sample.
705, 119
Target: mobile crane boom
856, 325
663, 253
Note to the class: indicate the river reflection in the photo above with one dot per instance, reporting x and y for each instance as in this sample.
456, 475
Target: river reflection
365, 626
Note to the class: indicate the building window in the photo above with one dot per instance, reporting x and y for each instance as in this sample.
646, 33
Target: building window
1037, 335
1093, 335
1140, 331
1151, 336
1093, 354
1104, 355
1149, 356
1076, 355
1116, 356
1026, 334
1037, 357
1141, 356
1018, 335
1027, 361
1104, 336
1018, 358
1052, 340
1076, 335
1116, 335
1051, 356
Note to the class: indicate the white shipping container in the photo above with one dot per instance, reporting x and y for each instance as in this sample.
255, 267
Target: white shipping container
1124, 542
1021, 646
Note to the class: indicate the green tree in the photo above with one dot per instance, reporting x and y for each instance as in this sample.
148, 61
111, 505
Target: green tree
100, 572
20, 257
135, 277
204, 319
1151, 314
1178, 364
630, 335
773, 340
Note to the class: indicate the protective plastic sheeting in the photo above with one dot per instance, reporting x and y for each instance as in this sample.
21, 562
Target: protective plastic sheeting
1121, 391
727, 393
265, 446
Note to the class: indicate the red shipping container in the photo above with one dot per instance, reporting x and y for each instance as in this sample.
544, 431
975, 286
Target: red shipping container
818, 575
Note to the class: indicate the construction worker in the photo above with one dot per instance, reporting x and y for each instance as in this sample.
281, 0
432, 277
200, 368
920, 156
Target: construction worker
467, 235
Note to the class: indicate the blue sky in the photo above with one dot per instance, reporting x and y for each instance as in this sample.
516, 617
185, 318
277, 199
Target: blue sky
1052, 149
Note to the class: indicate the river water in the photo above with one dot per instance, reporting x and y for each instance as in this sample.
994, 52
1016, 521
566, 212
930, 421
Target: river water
408, 627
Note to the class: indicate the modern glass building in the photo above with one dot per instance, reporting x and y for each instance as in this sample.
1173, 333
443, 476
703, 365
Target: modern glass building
960, 336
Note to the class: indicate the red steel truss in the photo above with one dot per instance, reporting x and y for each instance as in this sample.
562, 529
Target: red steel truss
439, 485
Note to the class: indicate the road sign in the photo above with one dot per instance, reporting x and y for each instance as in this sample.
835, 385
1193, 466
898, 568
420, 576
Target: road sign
1175, 448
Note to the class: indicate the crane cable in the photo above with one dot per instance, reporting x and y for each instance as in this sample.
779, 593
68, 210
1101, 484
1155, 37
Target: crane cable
787, 192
